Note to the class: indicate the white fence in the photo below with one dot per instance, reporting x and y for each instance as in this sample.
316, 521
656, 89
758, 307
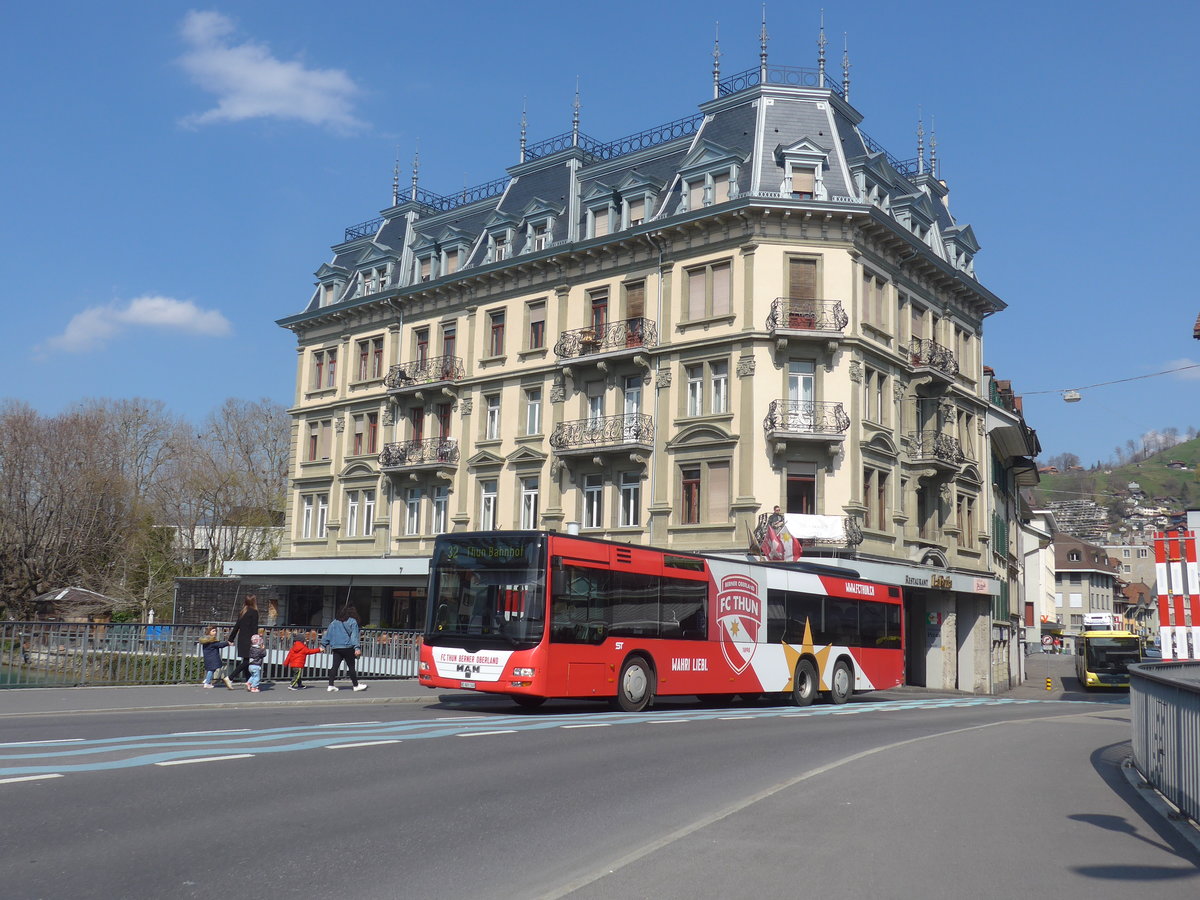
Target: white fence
1164, 700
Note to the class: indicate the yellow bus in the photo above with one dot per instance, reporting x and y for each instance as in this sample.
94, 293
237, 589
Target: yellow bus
1102, 658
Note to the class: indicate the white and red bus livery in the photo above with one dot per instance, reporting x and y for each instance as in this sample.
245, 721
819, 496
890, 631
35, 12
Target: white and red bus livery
538, 614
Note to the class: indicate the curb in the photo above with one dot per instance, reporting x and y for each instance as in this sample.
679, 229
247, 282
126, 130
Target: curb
1184, 827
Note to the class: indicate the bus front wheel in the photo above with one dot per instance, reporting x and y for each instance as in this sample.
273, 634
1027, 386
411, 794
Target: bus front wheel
635, 686
804, 685
841, 684
528, 701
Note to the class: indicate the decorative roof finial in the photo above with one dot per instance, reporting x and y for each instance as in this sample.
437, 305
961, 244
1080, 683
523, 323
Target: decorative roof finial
524, 126
717, 62
416, 169
821, 52
396, 178
933, 146
575, 116
845, 67
920, 142
763, 37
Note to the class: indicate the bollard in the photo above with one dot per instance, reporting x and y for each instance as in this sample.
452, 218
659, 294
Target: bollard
1049, 684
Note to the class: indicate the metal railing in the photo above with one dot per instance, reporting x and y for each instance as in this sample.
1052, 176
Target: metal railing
429, 451
621, 335
424, 371
935, 446
67, 654
806, 417
790, 76
807, 315
925, 352
603, 431
1164, 706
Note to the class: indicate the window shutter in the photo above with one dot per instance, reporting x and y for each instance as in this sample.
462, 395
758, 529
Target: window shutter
802, 279
600, 218
696, 194
721, 288
721, 187
637, 211
718, 492
802, 181
635, 300
696, 294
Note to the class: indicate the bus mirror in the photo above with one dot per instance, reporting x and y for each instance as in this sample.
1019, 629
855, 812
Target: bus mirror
558, 577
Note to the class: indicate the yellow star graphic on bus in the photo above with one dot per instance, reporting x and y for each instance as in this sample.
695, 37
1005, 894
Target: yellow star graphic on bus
734, 628
793, 654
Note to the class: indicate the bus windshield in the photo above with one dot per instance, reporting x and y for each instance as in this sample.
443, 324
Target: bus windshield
487, 591
1112, 654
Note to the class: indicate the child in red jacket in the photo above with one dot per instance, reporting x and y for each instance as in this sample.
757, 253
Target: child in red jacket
296, 659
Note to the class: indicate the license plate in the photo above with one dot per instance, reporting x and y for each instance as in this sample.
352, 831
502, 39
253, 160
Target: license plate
468, 685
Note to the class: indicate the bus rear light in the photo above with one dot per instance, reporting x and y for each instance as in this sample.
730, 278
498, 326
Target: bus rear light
520, 672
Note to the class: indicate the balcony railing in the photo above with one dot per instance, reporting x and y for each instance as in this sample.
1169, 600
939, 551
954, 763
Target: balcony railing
933, 446
806, 417
812, 530
427, 452
426, 371
604, 431
924, 352
621, 335
807, 315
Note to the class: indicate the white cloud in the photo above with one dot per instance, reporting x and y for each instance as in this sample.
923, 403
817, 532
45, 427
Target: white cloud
1188, 369
250, 83
95, 326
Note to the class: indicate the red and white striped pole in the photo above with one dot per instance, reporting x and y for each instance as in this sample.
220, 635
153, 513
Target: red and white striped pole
1178, 594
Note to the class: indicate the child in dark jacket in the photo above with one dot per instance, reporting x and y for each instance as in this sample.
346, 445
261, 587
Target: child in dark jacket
297, 658
257, 659
212, 648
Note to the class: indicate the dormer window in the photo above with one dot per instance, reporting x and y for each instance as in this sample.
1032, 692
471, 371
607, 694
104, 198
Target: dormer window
500, 246
803, 184
539, 236
599, 219
328, 294
425, 267
710, 188
374, 280
635, 211
1074, 556
803, 170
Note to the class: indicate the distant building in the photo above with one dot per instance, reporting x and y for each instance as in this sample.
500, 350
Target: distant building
1085, 579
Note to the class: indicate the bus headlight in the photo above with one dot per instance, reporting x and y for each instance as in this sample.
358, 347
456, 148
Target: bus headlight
424, 666
522, 672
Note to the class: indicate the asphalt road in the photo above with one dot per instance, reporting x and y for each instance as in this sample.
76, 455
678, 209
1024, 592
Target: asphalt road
930, 796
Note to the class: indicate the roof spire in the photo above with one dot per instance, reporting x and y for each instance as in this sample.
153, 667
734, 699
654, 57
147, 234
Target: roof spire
920, 143
845, 67
717, 61
416, 169
524, 125
396, 178
933, 146
575, 116
763, 37
821, 51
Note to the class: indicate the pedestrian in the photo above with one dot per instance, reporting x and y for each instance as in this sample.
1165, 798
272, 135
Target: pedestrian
296, 659
245, 628
341, 639
257, 658
211, 647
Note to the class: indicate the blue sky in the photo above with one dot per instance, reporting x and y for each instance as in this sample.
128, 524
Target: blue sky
174, 173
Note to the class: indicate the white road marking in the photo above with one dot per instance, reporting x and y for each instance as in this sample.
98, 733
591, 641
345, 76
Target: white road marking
31, 743
202, 759
343, 724
736, 718
27, 778
458, 718
667, 721
483, 733
593, 725
359, 744
197, 733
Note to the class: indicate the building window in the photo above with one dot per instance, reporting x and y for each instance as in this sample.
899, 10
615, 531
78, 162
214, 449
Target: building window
529, 502
599, 310
1074, 556
449, 340
874, 303
600, 217
421, 340
496, 333
631, 499
875, 497
372, 432
704, 493
964, 513
635, 211
501, 247
802, 279
492, 418
537, 325
441, 509
716, 374
874, 392
324, 371
802, 489
351, 513
690, 494
533, 410
695, 390
306, 527
359, 441
593, 501
803, 183
719, 372
487, 504
322, 514
412, 511
314, 441
425, 267
595, 401
709, 290
368, 513
539, 236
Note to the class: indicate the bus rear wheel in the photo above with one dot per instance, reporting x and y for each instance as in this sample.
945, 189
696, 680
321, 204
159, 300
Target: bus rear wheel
804, 685
635, 687
528, 700
841, 684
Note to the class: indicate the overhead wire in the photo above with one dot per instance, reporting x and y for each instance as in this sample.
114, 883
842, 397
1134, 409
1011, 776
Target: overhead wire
1087, 387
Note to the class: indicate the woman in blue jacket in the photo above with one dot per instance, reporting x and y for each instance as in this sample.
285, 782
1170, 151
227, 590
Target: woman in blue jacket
341, 640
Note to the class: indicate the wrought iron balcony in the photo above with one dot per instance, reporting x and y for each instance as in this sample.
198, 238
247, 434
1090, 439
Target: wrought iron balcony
432, 370
430, 453
626, 334
807, 419
924, 353
806, 316
814, 531
933, 447
605, 433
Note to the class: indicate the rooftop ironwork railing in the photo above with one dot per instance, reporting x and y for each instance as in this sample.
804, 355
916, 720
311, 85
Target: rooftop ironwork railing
424, 371
603, 431
806, 417
935, 446
429, 451
626, 333
364, 229
788, 76
926, 352
906, 167
807, 315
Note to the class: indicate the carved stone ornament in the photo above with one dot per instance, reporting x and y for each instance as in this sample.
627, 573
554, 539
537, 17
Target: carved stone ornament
856, 371
898, 391
945, 491
979, 429
663, 378
339, 424
556, 466
558, 391
389, 415
745, 367
465, 405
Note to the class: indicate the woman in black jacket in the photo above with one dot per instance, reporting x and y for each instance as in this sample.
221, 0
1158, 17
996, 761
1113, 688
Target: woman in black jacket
243, 629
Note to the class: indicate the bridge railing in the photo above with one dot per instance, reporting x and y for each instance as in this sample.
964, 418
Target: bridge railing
1164, 701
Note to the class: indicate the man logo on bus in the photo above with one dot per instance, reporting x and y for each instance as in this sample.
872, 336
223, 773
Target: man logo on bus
739, 618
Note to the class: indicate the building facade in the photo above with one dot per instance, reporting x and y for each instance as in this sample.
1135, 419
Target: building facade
1087, 584
659, 339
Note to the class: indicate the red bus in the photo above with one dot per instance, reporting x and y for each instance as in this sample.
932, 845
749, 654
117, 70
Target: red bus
535, 614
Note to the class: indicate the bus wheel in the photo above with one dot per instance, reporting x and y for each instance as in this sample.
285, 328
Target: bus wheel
841, 684
804, 686
528, 701
634, 687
